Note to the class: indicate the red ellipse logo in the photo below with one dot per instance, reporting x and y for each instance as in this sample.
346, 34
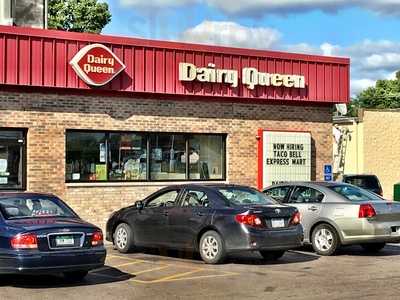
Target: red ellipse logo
96, 64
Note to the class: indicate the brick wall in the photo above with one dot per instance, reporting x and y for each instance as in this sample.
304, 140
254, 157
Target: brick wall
47, 116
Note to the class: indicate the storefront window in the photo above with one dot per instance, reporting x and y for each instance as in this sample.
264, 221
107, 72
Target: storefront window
129, 156
168, 157
86, 156
206, 157
12, 159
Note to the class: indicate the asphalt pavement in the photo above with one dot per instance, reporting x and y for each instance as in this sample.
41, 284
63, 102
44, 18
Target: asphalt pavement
155, 274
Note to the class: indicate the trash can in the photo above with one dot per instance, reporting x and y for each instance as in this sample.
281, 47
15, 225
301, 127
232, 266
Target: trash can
396, 192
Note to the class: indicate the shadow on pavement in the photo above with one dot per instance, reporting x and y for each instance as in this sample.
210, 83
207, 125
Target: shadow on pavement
102, 276
250, 258
389, 250
356, 250
290, 257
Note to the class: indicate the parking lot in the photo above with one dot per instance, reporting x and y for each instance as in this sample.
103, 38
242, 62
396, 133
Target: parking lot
174, 275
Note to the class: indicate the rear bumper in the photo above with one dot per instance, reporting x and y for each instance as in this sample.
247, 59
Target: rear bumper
51, 262
251, 239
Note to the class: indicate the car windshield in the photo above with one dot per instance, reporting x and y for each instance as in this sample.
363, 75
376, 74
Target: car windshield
19, 207
354, 193
245, 196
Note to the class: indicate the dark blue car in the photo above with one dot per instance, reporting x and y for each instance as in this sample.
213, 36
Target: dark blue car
215, 220
40, 234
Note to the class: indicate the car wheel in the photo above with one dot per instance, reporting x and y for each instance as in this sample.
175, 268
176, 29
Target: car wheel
123, 238
373, 247
325, 240
75, 276
272, 255
212, 249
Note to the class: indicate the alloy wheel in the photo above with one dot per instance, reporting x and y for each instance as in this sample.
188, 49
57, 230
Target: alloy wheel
210, 247
121, 238
324, 239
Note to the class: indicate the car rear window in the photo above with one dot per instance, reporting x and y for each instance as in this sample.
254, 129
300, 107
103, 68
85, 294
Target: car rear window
354, 193
245, 196
365, 182
33, 207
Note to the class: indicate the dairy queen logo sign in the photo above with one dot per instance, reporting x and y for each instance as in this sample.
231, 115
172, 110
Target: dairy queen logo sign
96, 65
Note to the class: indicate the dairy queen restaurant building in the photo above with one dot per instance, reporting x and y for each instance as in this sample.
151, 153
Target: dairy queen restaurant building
103, 121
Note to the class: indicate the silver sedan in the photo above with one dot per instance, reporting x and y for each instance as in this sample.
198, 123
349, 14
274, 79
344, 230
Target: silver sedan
335, 214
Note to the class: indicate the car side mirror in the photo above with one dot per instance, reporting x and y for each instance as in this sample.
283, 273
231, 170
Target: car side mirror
139, 205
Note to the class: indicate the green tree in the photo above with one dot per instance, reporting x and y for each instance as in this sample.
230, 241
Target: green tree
385, 94
78, 15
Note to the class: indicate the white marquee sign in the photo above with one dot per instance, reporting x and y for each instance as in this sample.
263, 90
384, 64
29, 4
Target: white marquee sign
286, 157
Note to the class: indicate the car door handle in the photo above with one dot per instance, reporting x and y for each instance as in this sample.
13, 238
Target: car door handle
313, 208
200, 214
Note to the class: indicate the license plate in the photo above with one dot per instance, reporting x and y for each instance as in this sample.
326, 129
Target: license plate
278, 223
65, 240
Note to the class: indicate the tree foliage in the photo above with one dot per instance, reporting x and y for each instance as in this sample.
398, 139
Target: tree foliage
78, 15
385, 94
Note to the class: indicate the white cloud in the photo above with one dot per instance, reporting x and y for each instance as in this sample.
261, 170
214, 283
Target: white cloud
358, 85
385, 60
262, 7
301, 48
329, 49
391, 76
232, 34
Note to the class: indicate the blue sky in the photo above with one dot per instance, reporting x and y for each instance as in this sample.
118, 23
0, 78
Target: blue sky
364, 30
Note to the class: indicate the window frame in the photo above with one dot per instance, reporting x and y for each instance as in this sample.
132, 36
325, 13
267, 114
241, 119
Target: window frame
289, 199
177, 199
287, 195
24, 166
198, 190
147, 135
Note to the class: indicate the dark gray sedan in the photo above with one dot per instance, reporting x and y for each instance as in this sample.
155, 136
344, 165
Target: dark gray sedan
214, 220
335, 214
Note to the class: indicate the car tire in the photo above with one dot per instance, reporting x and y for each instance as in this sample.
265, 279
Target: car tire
123, 238
325, 240
211, 247
373, 247
75, 276
272, 255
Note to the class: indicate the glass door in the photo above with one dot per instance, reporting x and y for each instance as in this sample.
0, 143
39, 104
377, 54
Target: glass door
12, 159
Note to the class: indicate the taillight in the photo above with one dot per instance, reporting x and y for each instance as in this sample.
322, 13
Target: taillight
366, 211
295, 219
97, 238
24, 241
250, 220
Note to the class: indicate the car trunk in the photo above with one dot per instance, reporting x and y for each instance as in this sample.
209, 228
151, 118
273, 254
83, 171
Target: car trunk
55, 234
275, 216
386, 211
